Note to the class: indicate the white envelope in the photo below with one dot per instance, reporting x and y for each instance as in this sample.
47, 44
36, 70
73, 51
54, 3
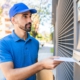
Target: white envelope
66, 59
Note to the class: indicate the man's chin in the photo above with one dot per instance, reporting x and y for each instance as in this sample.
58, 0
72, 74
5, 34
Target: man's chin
29, 29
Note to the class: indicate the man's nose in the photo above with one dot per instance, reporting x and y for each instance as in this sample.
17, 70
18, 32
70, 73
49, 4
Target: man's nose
29, 20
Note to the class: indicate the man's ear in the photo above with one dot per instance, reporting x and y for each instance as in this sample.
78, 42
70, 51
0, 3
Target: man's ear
14, 20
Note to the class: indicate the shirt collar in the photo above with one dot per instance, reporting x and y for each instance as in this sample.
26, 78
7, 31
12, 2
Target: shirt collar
16, 38
28, 38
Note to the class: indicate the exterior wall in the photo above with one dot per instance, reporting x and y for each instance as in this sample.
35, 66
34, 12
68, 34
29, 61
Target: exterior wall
67, 38
76, 66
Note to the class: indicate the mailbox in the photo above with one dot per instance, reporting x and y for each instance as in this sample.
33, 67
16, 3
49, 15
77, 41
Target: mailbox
76, 56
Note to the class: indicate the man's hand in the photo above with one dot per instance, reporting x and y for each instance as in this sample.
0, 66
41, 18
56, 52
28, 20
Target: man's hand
50, 63
25, 72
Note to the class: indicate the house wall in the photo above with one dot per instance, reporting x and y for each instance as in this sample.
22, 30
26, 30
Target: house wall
67, 37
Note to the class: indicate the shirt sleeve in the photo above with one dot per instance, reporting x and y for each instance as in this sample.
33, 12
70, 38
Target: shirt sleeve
38, 46
5, 55
37, 49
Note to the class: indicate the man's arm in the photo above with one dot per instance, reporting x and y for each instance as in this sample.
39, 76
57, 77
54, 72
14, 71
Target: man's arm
22, 73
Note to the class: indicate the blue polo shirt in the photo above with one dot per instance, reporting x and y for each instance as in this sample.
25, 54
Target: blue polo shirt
21, 52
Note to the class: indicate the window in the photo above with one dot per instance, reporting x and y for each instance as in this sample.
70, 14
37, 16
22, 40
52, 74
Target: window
78, 29
79, 10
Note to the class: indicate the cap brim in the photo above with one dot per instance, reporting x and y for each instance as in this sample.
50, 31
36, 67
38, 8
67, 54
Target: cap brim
31, 10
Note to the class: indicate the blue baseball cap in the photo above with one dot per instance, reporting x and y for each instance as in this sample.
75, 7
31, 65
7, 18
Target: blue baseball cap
20, 8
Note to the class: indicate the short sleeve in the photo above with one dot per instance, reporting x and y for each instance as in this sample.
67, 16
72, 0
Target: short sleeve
37, 49
38, 46
5, 55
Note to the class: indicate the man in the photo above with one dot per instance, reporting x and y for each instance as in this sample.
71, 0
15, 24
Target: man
19, 51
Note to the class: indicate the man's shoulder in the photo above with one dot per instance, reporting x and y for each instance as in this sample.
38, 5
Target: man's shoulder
35, 40
6, 38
